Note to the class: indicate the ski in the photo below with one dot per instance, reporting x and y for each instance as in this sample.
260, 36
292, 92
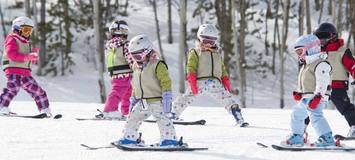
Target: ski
262, 145
343, 138
96, 148
198, 122
100, 119
155, 148
38, 116
310, 148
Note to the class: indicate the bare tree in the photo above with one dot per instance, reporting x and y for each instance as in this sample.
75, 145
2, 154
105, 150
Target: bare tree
339, 24
224, 21
42, 38
2, 22
154, 4
276, 36
352, 13
321, 12
182, 45
308, 17
283, 50
170, 28
301, 17
35, 21
99, 49
27, 7
242, 61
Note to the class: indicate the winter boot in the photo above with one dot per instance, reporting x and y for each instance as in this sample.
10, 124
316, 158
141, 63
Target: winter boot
125, 141
168, 143
110, 115
351, 132
294, 140
5, 111
47, 111
325, 140
237, 114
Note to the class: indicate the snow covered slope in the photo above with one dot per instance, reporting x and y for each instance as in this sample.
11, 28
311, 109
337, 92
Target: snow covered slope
50, 139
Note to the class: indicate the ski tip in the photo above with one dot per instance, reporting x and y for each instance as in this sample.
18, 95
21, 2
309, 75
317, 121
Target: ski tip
203, 122
58, 116
262, 145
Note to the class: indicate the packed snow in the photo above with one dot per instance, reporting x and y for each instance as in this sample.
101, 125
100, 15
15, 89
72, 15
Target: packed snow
50, 139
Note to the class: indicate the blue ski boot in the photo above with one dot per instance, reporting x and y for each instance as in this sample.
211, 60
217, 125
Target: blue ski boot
325, 140
168, 143
125, 141
237, 114
295, 140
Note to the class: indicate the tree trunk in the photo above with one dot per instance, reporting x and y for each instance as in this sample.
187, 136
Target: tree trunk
67, 24
154, 4
276, 30
330, 7
321, 12
317, 4
334, 13
42, 38
242, 61
27, 5
99, 49
301, 17
224, 19
2, 22
308, 17
352, 12
266, 42
35, 21
182, 45
339, 24
283, 50
170, 27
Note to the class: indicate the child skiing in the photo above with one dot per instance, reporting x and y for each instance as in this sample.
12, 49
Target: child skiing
206, 74
118, 62
312, 93
16, 63
343, 63
151, 94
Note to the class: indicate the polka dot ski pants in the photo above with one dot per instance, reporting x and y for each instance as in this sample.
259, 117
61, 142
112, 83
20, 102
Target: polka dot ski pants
211, 87
141, 112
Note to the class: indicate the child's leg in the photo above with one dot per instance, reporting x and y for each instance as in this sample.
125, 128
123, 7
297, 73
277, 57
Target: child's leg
12, 87
134, 121
125, 95
299, 114
167, 130
112, 100
181, 102
318, 120
30, 85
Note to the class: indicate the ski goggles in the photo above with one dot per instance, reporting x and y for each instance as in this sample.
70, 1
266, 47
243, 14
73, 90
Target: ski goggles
121, 29
301, 52
208, 40
141, 54
26, 31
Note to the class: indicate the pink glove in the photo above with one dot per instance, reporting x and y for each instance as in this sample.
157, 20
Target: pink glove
191, 78
33, 57
226, 83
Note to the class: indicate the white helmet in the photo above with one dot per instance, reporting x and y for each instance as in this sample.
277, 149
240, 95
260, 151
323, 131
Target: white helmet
207, 31
141, 46
118, 28
18, 22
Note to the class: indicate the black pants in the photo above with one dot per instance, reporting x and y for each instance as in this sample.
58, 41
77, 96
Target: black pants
342, 102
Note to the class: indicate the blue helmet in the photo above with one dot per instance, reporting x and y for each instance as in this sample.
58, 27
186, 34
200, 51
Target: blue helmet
310, 42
